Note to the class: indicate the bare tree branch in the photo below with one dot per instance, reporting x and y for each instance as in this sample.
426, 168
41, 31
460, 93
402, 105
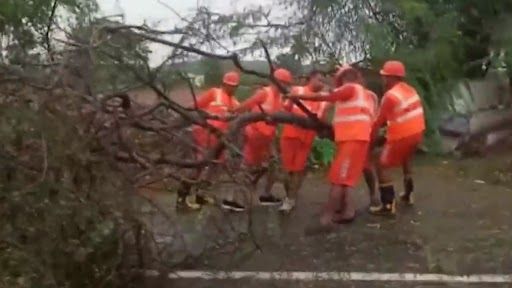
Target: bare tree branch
49, 29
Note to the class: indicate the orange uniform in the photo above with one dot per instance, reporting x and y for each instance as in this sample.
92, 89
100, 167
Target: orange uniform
352, 124
259, 135
296, 142
216, 102
402, 110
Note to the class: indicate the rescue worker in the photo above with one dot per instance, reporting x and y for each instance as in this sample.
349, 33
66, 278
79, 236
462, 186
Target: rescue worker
259, 138
296, 142
352, 124
402, 110
215, 101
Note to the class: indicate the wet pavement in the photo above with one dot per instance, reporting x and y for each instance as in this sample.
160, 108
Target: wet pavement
461, 224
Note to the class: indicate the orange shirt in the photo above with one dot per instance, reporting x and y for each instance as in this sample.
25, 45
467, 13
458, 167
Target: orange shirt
386, 108
260, 98
292, 131
410, 109
267, 100
216, 102
353, 117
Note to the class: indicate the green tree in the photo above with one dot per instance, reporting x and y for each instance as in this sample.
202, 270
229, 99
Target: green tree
290, 62
63, 204
212, 69
26, 25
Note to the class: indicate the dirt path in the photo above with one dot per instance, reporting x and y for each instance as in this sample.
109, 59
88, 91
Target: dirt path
459, 225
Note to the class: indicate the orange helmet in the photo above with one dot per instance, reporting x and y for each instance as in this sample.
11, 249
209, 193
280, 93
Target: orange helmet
393, 68
283, 75
231, 78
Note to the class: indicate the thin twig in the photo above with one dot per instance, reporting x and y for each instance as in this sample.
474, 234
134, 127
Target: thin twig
190, 87
49, 28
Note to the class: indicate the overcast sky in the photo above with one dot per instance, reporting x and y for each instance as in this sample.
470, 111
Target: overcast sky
156, 14
152, 10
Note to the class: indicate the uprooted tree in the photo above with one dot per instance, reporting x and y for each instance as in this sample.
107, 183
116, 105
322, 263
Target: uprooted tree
77, 151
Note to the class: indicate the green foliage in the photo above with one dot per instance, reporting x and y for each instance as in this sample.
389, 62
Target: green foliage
24, 24
213, 72
60, 216
322, 152
290, 62
131, 57
440, 42
62, 202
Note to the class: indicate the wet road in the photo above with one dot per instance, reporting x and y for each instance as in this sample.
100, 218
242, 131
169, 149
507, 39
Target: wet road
460, 224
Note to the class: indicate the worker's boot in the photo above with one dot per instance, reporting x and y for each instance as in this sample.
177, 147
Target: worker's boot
406, 197
202, 199
185, 201
288, 205
387, 198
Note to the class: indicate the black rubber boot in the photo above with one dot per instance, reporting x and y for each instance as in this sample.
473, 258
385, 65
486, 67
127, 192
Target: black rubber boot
184, 201
387, 198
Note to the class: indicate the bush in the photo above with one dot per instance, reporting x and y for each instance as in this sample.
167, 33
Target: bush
63, 205
322, 152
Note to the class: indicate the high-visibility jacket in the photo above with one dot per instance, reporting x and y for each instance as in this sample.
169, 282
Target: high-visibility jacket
271, 104
353, 118
318, 108
219, 106
407, 118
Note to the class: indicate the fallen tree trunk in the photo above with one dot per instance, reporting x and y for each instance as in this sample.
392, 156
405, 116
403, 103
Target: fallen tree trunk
324, 130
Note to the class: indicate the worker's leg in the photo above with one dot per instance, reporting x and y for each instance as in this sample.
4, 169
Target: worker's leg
184, 198
287, 182
208, 175
347, 212
410, 150
294, 153
206, 141
332, 205
300, 162
345, 172
371, 183
392, 156
256, 152
287, 157
406, 196
262, 152
251, 172
266, 197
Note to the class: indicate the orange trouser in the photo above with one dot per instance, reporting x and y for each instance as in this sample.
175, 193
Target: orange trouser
348, 165
205, 140
257, 149
397, 152
295, 152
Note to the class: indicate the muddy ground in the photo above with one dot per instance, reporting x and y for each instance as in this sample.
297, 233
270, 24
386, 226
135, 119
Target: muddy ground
461, 224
